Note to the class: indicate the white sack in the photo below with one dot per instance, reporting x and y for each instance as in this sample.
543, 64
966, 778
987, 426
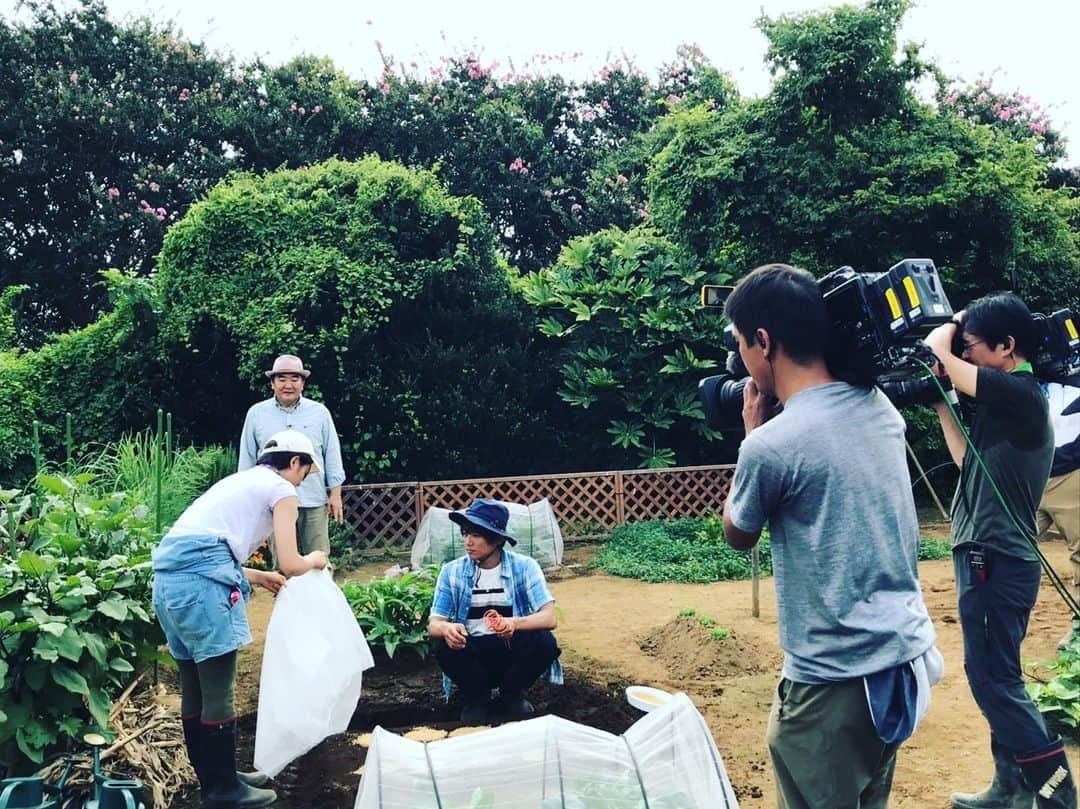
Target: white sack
312, 666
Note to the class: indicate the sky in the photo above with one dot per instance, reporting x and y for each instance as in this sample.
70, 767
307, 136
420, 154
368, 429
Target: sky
1029, 46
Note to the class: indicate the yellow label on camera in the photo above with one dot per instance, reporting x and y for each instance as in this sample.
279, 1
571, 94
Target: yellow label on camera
1071, 328
894, 304
912, 293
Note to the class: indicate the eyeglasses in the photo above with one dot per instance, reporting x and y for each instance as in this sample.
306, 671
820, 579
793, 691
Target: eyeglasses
970, 345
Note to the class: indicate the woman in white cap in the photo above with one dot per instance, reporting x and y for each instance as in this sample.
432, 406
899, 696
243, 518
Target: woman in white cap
199, 592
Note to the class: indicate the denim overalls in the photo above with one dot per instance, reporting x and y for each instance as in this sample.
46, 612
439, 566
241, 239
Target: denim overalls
199, 594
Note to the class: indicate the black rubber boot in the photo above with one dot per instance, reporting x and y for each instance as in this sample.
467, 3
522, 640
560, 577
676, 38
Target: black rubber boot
514, 705
1048, 774
1007, 791
192, 741
221, 786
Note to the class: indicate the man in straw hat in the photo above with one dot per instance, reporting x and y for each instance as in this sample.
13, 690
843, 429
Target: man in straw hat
288, 409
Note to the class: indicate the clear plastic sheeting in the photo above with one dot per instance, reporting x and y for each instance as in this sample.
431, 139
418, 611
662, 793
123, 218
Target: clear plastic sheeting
666, 760
534, 526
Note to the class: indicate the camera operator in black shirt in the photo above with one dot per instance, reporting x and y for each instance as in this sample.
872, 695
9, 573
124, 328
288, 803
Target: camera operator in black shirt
997, 568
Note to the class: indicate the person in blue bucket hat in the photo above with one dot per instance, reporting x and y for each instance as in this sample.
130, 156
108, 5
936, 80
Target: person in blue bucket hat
492, 618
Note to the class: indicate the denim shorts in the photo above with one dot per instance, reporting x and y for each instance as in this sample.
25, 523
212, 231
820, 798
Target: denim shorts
202, 617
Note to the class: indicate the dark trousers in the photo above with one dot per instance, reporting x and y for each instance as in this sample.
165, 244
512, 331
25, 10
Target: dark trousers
486, 662
994, 610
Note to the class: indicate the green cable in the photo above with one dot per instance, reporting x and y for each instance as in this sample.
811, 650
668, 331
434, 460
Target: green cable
1050, 572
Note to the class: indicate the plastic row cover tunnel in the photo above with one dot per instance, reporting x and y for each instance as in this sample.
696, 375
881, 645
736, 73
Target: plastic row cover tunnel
438, 540
666, 760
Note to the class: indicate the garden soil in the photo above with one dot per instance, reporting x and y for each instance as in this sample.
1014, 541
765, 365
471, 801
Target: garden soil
615, 632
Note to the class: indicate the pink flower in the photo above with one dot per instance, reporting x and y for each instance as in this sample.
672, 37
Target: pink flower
262, 102
520, 166
113, 192
293, 106
74, 77
239, 79
108, 105
642, 213
488, 89
300, 110
155, 187
300, 80
316, 109
384, 88
621, 180
185, 94
575, 208
218, 96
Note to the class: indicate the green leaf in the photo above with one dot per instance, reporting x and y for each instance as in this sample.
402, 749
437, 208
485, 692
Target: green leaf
119, 664
100, 705
115, 608
32, 564
66, 677
54, 485
70, 645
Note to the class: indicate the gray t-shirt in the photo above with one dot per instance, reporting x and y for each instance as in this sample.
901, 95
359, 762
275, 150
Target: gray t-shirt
830, 478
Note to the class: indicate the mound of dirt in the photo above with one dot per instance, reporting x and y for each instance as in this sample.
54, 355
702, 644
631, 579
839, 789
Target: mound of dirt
689, 652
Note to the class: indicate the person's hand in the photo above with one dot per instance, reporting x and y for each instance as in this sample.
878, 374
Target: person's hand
507, 628
757, 407
940, 340
334, 507
456, 636
318, 559
270, 580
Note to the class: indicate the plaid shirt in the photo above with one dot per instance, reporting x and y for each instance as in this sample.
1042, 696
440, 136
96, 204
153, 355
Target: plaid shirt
522, 579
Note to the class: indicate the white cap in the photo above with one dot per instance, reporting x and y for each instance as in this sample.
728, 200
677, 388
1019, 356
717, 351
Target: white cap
291, 441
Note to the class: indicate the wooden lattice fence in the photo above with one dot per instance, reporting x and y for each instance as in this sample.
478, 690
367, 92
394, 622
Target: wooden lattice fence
385, 516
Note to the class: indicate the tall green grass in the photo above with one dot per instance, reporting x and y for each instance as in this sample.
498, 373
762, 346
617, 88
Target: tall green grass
131, 464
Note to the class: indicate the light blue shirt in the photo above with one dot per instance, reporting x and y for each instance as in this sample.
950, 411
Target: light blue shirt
313, 420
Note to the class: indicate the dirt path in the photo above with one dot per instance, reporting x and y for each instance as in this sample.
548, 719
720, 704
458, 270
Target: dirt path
605, 620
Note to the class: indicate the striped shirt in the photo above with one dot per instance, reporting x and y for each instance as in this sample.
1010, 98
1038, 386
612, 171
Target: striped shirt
522, 580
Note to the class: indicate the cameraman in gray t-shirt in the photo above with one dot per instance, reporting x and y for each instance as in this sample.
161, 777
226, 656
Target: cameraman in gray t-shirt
829, 476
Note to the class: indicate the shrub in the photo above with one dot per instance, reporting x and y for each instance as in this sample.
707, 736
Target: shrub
390, 290
694, 550
1059, 697
75, 610
393, 612
686, 550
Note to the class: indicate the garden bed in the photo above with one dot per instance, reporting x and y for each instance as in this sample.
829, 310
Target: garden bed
616, 631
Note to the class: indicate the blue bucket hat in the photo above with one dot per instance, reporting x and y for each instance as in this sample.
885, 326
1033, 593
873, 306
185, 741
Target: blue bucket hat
490, 515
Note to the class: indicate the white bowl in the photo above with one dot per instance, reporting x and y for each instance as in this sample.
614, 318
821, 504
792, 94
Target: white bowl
645, 698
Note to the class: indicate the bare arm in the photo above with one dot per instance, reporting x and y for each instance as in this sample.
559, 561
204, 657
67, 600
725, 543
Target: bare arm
543, 618
455, 635
289, 558
738, 539
954, 439
964, 375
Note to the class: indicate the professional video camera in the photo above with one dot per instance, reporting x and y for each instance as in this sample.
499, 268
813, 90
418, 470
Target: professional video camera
1057, 348
876, 325
1056, 359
